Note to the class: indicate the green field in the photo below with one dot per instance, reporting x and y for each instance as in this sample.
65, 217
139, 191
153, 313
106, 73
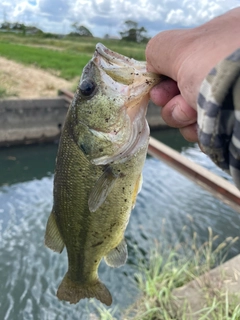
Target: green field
64, 57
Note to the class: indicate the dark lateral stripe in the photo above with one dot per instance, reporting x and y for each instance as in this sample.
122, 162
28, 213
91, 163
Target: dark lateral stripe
210, 108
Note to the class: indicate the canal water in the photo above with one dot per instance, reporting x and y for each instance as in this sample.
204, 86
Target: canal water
169, 209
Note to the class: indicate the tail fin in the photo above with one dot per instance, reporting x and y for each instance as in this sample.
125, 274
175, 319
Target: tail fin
73, 292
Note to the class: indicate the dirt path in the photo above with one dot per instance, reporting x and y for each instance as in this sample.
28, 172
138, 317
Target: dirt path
20, 81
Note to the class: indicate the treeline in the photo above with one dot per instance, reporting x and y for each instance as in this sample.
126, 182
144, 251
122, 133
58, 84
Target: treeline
131, 31
19, 28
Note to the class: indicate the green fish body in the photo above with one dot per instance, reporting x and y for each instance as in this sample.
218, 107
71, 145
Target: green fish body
98, 171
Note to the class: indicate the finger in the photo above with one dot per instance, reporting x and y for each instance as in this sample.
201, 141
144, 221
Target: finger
163, 92
177, 113
190, 133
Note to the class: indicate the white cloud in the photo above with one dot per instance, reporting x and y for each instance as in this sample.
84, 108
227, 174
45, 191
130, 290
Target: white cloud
192, 12
175, 16
107, 16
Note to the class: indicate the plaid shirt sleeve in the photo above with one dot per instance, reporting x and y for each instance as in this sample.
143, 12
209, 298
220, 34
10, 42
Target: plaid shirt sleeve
219, 115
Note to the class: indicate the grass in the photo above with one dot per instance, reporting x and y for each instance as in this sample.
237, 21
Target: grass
170, 269
4, 93
78, 44
64, 57
64, 64
104, 313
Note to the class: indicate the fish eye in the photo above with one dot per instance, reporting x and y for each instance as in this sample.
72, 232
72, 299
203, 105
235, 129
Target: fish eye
87, 86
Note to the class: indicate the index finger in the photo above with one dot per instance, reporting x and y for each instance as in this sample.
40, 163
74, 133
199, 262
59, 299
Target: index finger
163, 92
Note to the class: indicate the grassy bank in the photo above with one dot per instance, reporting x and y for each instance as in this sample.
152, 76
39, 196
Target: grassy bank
64, 57
66, 65
78, 44
168, 270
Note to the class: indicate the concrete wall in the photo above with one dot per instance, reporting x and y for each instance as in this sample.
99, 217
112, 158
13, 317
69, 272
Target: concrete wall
40, 120
30, 121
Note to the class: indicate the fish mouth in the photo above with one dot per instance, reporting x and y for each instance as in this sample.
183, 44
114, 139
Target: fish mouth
129, 75
129, 79
120, 68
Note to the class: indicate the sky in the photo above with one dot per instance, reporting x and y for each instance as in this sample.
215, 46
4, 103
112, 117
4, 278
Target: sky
103, 17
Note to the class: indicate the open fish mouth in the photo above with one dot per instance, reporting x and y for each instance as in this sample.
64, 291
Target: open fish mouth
130, 76
129, 79
120, 68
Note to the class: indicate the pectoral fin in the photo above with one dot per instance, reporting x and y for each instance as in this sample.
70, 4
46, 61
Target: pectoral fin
101, 189
117, 256
53, 239
137, 189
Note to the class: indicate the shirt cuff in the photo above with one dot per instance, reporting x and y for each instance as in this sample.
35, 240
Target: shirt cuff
219, 115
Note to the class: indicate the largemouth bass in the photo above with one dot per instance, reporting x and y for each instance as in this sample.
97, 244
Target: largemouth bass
100, 158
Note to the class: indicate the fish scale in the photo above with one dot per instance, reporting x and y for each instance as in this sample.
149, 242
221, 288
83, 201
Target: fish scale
98, 172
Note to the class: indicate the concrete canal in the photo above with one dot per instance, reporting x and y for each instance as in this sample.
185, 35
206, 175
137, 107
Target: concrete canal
168, 210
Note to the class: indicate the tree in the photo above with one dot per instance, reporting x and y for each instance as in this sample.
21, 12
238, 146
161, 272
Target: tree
80, 30
19, 27
6, 25
133, 32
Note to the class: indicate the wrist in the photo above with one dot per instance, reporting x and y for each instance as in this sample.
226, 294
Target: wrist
205, 47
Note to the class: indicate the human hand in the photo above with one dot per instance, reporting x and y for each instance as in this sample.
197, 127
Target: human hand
186, 57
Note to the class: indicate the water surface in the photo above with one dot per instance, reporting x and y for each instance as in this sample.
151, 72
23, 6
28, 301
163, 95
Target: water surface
31, 273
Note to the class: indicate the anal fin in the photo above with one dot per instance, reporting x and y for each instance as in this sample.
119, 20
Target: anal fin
53, 239
117, 256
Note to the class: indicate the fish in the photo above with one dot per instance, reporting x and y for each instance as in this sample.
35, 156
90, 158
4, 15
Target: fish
98, 173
